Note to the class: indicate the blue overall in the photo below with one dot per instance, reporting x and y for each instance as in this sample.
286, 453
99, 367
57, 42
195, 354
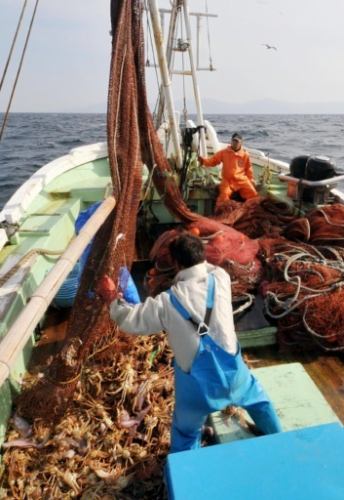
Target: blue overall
216, 380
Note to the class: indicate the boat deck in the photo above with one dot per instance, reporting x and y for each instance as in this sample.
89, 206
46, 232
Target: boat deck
326, 370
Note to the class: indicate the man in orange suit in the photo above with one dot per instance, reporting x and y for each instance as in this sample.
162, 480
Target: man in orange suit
237, 173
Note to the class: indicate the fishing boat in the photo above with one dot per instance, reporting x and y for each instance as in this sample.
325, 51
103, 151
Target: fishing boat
46, 231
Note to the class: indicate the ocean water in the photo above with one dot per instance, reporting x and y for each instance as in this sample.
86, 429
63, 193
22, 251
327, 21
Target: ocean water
31, 140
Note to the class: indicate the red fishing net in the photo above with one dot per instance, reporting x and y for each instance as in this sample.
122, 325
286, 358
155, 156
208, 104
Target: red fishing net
224, 246
132, 140
320, 226
257, 217
303, 291
106, 392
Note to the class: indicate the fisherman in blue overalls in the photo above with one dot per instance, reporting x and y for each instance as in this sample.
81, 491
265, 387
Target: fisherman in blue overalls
196, 313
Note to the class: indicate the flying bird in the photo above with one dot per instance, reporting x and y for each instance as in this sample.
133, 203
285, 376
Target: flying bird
269, 46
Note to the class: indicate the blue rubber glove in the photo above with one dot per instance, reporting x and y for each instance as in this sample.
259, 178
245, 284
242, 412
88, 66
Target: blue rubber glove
128, 287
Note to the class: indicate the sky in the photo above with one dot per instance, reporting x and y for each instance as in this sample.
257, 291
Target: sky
67, 63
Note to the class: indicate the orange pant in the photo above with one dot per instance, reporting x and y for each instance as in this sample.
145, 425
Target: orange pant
246, 190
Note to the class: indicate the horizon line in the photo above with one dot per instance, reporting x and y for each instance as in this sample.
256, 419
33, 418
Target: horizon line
192, 113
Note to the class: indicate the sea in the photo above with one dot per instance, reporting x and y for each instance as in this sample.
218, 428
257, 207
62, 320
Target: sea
33, 139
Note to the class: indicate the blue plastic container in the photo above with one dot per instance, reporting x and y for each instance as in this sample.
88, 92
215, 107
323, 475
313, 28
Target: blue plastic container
306, 464
66, 295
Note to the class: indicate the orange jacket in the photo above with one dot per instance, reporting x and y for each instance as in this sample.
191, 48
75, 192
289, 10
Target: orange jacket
236, 164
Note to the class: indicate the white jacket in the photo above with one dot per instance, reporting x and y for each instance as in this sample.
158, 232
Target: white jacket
156, 314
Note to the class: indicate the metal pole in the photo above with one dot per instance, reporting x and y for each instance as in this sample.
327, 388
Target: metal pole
169, 59
198, 40
166, 81
203, 147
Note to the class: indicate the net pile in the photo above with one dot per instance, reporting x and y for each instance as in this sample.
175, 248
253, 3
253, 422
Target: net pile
304, 292
257, 217
320, 226
224, 246
301, 282
303, 275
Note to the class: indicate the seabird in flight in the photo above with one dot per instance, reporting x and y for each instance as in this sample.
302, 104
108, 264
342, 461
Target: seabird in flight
269, 46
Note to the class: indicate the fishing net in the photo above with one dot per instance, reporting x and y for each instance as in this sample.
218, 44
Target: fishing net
257, 217
224, 246
93, 347
114, 244
303, 292
320, 226
323, 318
132, 140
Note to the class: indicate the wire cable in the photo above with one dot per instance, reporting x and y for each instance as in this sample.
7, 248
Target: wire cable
13, 44
18, 71
211, 67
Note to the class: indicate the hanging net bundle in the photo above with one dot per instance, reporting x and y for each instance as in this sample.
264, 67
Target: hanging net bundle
132, 141
101, 411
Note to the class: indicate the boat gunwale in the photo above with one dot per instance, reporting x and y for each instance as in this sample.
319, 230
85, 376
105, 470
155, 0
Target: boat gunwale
15, 207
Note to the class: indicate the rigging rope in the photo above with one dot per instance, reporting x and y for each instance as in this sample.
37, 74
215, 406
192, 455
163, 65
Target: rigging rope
18, 70
13, 44
211, 67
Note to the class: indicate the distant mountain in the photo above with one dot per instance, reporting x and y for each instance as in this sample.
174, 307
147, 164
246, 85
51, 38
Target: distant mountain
213, 106
269, 106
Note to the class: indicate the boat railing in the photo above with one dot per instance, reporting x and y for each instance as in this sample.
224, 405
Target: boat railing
21, 330
332, 181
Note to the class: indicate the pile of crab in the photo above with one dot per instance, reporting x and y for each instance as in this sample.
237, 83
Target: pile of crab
112, 441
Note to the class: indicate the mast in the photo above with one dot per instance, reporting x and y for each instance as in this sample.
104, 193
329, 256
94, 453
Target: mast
200, 122
166, 81
169, 52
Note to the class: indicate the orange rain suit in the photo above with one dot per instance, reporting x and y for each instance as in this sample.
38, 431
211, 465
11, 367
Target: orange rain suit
237, 173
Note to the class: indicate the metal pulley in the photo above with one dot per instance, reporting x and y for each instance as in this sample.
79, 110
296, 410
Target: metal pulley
182, 45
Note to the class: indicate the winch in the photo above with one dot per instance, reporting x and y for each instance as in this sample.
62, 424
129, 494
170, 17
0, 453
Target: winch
311, 179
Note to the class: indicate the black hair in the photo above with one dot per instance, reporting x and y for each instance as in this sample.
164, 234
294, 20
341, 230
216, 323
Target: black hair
236, 135
187, 250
